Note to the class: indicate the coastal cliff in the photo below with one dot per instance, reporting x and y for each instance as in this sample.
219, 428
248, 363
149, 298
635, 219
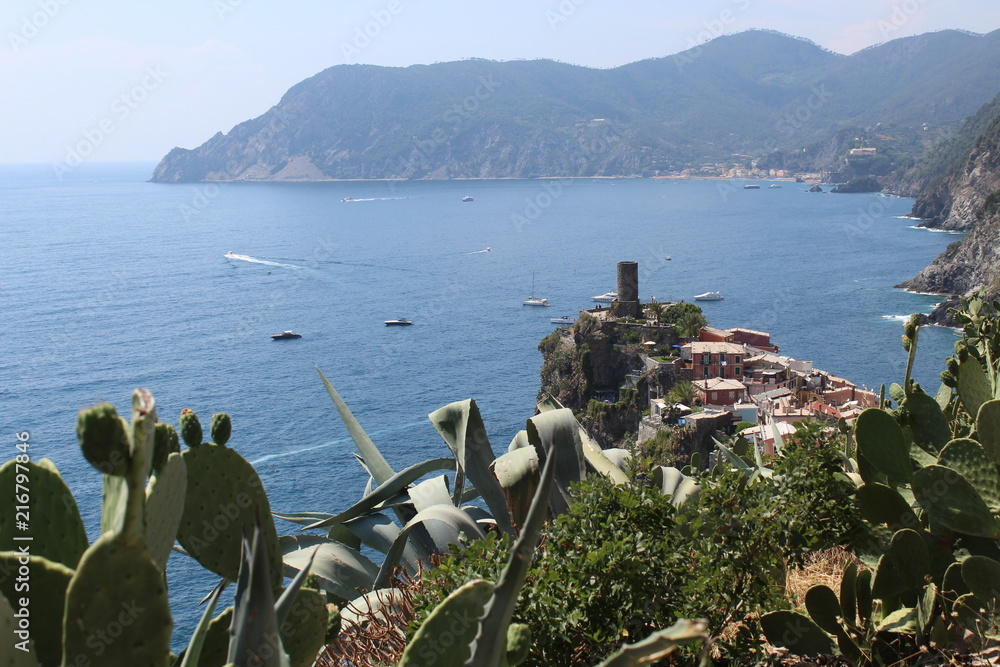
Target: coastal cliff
966, 198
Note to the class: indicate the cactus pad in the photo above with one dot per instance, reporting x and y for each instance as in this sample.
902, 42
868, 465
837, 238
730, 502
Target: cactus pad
14, 657
923, 415
215, 649
103, 437
969, 459
457, 617
882, 504
951, 502
303, 633
190, 428
973, 385
221, 428
55, 525
796, 632
988, 428
224, 495
982, 576
882, 443
824, 608
49, 582
164, 506
117, 612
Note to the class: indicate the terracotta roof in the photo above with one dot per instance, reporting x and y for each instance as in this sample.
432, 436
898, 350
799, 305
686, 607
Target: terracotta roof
719, 384
701, 347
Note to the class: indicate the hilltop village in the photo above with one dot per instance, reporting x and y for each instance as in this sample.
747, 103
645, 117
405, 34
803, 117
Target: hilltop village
657, 372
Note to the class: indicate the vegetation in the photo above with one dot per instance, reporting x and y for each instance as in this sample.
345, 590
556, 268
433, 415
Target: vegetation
911, 489
686, 317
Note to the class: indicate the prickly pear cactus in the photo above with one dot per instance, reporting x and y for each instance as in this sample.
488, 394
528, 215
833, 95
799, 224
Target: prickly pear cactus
303, 633
165, 443
14, 656
190, 428
117, 612
164, 507
457, 617
49, 582
221, 429
57, 531
103, 437
224, 495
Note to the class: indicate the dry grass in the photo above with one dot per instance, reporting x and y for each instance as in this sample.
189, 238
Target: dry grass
378, 640
821, 567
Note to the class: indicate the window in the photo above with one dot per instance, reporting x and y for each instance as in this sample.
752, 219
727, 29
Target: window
706, 359
737, 359
707, 372
736, 371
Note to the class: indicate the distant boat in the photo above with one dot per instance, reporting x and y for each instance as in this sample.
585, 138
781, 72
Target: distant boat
562, 320
534, 300
774, 186
709, 296
285, 335
231, 255
751, 186
466, 198
607, 297
401, 322
347, 199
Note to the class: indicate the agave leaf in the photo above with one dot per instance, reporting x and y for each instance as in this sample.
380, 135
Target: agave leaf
735, 459
386, 491
431, 492
302, 518
387, 602
558, 431
657, 645
548, 404
255, 623
520, 441
284, 603
443, 523
675, 483
340, 570
601, 462
491, 646
375, 463
517, 472
461, 427
192, 653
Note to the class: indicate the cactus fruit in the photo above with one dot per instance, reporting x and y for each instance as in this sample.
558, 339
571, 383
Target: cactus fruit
518, 643
103, 437
221, 428
165, 495
164, 444
882, 443
57, 531
49, 581
952, 503
190, 428
969, 459
224, 495
117, 612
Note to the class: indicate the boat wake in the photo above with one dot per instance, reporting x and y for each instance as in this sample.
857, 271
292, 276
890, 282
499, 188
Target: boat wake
479, 252
338, 441
257, 260
351, 200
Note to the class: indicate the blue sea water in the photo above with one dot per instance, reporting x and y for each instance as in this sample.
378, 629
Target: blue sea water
108, 282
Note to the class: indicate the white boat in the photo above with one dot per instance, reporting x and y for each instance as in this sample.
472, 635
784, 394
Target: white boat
230, 255
607, 297
562, 320
467, 198
534, 300
774, 186
709, 296
401, 322
751, 186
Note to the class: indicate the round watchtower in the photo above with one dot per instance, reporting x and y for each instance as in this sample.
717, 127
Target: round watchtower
628, 290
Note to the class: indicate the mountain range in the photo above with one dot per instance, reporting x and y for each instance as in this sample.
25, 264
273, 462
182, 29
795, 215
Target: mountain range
735, 98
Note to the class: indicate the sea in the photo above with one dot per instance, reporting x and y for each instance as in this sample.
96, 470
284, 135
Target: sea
110, 282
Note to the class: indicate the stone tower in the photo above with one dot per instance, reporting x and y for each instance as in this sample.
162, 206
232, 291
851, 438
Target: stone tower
628, 290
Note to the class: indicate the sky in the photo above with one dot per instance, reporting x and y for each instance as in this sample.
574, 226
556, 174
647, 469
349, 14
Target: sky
124, 80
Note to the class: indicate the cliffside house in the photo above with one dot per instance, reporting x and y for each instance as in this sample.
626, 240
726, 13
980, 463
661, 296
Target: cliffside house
706, 360
718, 391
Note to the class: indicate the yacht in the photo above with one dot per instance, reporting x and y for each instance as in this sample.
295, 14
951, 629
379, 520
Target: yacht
607, 297
466, 198
751, 186
534, 300
285, 335
709, 296
562, 320
401, 322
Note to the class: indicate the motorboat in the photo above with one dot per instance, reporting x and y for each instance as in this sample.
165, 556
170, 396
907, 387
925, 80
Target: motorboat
709, 296
401, 322
751, 186
347, 199
231, 255
562, 320
466, 198
534, 300
285, 335
607, 297
774, 186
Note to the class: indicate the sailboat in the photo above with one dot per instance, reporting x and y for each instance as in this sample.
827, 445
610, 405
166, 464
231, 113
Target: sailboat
534, 300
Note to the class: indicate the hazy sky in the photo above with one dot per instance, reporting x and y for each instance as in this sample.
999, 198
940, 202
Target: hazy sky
130, 79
